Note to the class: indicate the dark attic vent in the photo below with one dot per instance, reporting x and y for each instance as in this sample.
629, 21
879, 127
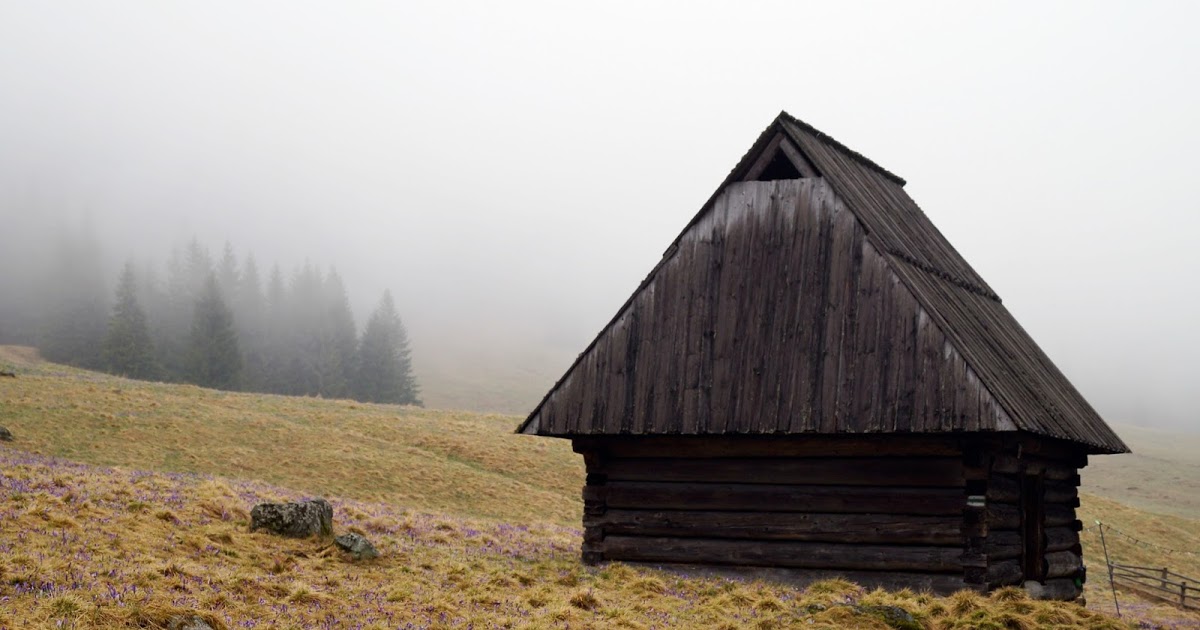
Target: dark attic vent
780, 167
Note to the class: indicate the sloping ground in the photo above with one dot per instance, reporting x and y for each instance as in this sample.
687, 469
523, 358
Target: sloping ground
1139, 538
1161, 475
86, 547
465, 463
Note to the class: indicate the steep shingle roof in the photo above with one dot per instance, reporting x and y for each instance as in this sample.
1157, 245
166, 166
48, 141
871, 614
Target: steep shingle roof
828, 304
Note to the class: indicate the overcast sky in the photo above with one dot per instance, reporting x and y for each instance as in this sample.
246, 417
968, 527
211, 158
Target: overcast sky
512, 170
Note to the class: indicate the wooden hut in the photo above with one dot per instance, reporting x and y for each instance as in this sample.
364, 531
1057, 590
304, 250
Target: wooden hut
812, 382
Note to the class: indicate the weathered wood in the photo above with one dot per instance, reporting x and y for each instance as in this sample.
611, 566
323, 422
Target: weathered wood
784, 498
1059, 515
1062, 589
1003, 545
881, 471
662, 446
1052, 470
1061, 539
592, 553
1062, 564
1061, 492
1003, 489
784, 554
881, 290
591, 533
840, 528
769, 152
1004, 573
1003, 516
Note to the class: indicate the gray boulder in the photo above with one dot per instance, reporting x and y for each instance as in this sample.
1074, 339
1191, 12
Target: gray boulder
357, 546
5, 435
294, 520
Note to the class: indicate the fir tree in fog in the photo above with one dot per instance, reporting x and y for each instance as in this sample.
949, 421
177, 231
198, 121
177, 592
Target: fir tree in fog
228, 276
127, 349
336, 339
275, 336
213, 356
75, 311
212, 322
384, 371
249, 310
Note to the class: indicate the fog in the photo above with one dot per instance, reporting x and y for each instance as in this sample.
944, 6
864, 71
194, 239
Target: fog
511, 172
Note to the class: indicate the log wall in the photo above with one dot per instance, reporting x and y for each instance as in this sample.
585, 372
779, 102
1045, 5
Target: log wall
916, 512
1007, 475
885, 512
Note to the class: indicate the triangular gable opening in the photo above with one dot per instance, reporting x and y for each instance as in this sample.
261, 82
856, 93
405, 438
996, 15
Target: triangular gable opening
780, 167
780, 159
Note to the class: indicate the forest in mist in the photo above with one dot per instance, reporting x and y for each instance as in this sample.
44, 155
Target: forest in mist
215, 321
512, 171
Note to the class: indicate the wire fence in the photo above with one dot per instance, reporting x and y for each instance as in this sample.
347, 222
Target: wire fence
1160, 582
1109, 529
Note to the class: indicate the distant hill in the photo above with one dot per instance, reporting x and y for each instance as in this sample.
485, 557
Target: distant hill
1161, 475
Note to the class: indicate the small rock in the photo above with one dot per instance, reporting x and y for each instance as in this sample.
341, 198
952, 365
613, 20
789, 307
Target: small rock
357, 546
294, 520
5, 435
190, 622
893, 616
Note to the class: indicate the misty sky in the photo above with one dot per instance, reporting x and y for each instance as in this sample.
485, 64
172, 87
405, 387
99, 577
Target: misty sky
512, 171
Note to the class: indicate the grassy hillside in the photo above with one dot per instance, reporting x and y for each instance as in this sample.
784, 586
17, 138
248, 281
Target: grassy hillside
1161, 475
87, 547
477, 525
465, 463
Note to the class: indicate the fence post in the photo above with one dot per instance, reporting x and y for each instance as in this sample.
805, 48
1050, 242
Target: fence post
1107, 561
1163, 579
1182, 593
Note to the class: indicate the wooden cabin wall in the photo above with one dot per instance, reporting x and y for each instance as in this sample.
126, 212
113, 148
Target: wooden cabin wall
1010, 476
775, 313
883, 512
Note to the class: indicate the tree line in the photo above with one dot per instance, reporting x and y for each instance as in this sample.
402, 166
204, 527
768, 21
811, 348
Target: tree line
220, 323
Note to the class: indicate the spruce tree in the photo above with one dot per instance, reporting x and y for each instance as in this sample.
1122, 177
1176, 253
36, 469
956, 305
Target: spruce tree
75, 313
213, 357
127, 348
248, 311
228, 276
275, 335
337, 339
384, 366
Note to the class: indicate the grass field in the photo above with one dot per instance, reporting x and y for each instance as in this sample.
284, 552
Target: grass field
478, 526
1161, 475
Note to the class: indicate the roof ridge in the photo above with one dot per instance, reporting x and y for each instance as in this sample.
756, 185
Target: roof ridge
944, 275
851, 153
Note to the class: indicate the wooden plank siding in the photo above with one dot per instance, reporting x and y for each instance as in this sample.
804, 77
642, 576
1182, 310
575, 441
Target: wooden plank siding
775, 313
829, 303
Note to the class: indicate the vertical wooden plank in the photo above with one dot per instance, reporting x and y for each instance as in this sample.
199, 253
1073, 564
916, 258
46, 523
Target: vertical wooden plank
905, 336
821, 311
885, 418
868, 378
847, 412
788, 299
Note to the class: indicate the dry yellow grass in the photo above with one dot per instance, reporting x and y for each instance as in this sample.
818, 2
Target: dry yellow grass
86, 547
459, 462
477, 526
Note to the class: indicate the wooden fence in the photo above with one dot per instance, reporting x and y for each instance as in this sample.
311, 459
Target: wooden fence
1159, 582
